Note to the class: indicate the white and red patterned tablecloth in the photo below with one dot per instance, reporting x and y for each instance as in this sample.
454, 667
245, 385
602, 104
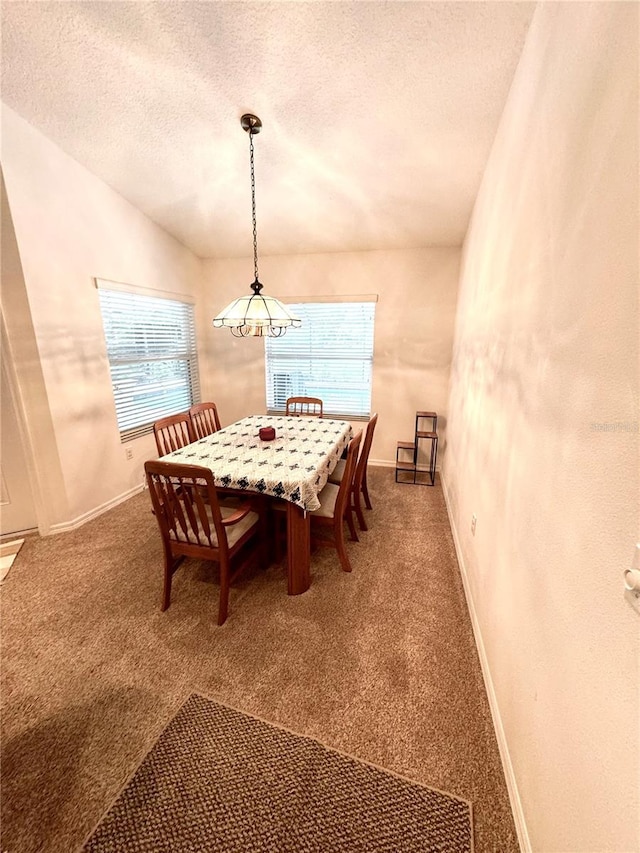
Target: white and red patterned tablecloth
294, 466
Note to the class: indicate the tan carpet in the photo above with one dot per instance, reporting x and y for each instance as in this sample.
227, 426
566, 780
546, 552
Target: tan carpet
379, 664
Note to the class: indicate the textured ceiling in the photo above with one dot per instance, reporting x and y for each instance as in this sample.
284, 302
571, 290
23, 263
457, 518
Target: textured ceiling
378, 116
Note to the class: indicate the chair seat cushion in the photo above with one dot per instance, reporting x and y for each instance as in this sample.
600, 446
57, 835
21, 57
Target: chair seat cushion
327, 497
237, 531
234, 531
338, 471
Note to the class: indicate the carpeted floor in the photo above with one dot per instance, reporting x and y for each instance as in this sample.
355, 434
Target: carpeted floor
379, 664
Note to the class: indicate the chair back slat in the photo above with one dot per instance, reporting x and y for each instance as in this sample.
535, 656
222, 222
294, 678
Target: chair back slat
304, 407
173, 432
203, 514
189, 517
204, 419
180, 505
171, 510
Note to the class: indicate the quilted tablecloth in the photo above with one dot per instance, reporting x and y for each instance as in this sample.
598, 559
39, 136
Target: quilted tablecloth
294, 466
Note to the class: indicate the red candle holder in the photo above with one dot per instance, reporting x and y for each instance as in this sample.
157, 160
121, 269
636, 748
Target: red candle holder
267, 433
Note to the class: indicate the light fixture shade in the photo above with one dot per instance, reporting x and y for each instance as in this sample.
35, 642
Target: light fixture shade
256, 315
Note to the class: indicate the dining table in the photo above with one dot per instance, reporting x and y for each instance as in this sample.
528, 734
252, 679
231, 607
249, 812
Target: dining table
293, 467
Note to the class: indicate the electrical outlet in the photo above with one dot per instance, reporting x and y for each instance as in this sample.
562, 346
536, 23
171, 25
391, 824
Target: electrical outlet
632, 581
473, 525
128, 452
633, 597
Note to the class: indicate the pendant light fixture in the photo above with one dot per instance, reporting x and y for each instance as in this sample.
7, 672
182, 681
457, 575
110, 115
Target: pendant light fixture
255, 315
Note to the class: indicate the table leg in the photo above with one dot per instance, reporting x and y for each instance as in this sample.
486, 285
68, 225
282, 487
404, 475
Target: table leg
299, 549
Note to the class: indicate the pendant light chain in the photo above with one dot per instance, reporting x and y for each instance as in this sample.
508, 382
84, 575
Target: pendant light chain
255, 315
253, 207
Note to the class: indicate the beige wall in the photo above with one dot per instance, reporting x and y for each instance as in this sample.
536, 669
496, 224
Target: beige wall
547, 347
25, 384
417, 291
70, 227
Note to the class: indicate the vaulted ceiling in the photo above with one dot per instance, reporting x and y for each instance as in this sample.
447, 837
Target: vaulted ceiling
378, 117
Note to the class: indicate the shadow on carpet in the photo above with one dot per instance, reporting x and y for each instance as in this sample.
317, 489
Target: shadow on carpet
219, 780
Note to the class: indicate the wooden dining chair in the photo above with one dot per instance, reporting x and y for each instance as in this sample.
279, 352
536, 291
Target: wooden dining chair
304, 406
359, 485
334, 508
204, 419
195, 524
173, 432
333, 511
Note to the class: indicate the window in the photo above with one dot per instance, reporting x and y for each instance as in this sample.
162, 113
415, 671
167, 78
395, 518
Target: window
151, 344
330, 357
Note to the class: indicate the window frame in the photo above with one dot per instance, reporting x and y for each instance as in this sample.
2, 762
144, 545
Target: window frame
303, 306
158, 347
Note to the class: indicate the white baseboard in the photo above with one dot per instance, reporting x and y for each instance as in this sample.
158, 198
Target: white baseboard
503, 747
389, 463
382, 463
66, 526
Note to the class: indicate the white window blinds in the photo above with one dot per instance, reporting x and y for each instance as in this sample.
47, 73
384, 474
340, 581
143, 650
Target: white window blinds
151, 344
330, 357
